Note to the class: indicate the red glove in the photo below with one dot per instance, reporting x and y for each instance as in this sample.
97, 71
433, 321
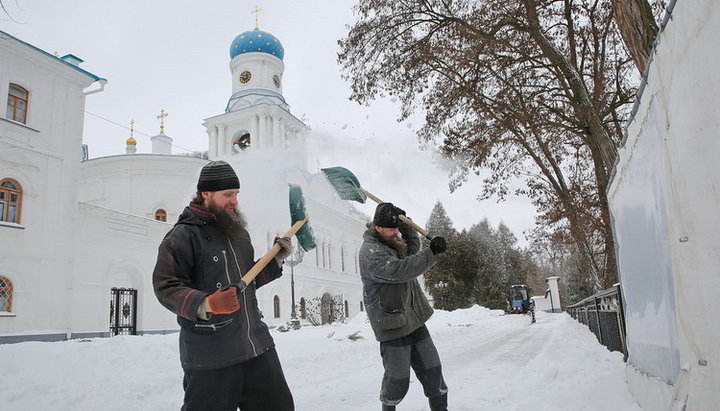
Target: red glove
223, 302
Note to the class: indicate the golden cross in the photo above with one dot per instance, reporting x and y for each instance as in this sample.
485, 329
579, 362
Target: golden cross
162, 116
132, 127
256, 12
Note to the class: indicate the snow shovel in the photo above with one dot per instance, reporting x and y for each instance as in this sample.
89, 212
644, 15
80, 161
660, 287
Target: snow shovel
299, 228
348, 188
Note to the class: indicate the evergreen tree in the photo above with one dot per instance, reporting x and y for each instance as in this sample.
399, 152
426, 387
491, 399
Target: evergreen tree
448, 292
479, 266
439, 223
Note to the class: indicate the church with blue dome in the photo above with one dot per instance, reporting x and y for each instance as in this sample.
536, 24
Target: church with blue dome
256, 116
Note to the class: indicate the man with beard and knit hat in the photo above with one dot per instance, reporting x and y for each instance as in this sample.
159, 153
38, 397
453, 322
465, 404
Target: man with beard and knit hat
226, 351
390, 263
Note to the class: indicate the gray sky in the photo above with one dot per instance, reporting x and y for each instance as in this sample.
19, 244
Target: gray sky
174, 55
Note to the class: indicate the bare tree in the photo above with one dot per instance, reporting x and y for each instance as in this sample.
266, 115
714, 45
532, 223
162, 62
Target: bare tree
528, 89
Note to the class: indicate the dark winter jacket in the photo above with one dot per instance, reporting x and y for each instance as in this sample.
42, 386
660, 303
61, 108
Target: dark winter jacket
396, 304
194, 260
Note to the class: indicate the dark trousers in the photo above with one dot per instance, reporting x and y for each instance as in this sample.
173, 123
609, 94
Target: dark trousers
254, 385
415, 350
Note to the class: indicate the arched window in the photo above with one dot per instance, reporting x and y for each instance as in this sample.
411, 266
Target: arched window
6, 294
362, 308
161, 215
276, 307
303, 313
10, 200
347, 309
17, 103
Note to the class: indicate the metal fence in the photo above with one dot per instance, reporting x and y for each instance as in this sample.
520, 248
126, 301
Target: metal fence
603, 314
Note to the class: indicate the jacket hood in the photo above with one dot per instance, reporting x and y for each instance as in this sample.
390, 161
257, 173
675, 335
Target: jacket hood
196, 215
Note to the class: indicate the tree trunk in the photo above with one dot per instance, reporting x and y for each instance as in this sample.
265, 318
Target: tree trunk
637, 27
602, 149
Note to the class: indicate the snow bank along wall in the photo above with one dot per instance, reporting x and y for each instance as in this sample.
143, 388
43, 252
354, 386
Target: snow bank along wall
665, 205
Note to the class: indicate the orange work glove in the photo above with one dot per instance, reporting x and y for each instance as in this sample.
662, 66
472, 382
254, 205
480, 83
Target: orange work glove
223, 302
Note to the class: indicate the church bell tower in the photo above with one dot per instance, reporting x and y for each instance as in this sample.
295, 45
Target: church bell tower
256, 117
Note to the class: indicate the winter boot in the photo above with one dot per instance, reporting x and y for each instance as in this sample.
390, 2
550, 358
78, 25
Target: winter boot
388, 407
438, 403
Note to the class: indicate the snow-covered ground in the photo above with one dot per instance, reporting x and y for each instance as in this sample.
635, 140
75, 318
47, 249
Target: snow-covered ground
490, 361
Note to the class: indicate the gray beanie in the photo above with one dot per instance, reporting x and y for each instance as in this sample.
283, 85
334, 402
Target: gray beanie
217, 176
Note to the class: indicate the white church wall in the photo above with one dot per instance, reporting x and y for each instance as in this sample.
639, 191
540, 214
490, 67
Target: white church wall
43, 155
664, 200
139, 183
128, 263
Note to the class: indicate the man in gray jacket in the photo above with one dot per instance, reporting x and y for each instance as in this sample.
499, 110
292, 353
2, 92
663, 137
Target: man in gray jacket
390, 262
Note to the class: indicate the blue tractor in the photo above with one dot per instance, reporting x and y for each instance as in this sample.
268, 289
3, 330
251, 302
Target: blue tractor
519, 301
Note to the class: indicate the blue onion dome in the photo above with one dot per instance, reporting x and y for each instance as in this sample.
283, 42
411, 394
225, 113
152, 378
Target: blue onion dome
256, 41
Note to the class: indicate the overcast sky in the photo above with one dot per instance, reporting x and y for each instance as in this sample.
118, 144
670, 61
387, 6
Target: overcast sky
174, 55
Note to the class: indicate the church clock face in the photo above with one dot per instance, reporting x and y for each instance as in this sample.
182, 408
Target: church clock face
276, 80
245, 76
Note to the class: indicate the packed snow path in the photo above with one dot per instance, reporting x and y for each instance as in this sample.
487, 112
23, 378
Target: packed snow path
490, 361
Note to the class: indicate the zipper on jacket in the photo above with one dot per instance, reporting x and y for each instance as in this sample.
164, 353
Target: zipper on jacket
244, 294
227, 273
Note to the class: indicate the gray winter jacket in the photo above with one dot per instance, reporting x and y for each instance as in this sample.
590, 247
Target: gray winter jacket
396, 304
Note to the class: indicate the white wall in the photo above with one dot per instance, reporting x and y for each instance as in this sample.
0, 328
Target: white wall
116, 249
43, 155
139, 184
664, 200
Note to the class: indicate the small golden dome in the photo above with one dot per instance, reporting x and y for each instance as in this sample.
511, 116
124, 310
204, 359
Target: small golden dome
131, 142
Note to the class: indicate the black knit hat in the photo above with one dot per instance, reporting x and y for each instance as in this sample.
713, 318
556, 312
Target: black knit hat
217, 176
386, 215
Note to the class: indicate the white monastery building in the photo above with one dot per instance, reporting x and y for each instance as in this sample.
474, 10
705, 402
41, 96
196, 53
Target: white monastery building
79, 235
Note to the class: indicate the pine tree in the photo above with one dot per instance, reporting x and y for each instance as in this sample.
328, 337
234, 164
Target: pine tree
446, 290
439, 223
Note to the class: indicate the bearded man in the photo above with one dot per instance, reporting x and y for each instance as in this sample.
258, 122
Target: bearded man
391, 260
226, 351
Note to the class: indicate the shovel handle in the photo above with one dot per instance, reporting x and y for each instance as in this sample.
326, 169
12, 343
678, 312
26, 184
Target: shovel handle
261, 263
402, 217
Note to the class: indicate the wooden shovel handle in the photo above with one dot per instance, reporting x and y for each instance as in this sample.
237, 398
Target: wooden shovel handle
402, 217
261, 263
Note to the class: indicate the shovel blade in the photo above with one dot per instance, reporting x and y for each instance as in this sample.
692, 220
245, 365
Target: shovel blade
345, 184
304, 235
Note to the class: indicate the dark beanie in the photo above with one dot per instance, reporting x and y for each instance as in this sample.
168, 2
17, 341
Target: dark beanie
217, 176
386, 216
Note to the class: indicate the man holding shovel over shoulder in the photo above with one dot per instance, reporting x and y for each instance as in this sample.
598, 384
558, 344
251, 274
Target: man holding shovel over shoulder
226, 351
390, 262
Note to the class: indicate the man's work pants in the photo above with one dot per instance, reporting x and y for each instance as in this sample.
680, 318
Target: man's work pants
415, 350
